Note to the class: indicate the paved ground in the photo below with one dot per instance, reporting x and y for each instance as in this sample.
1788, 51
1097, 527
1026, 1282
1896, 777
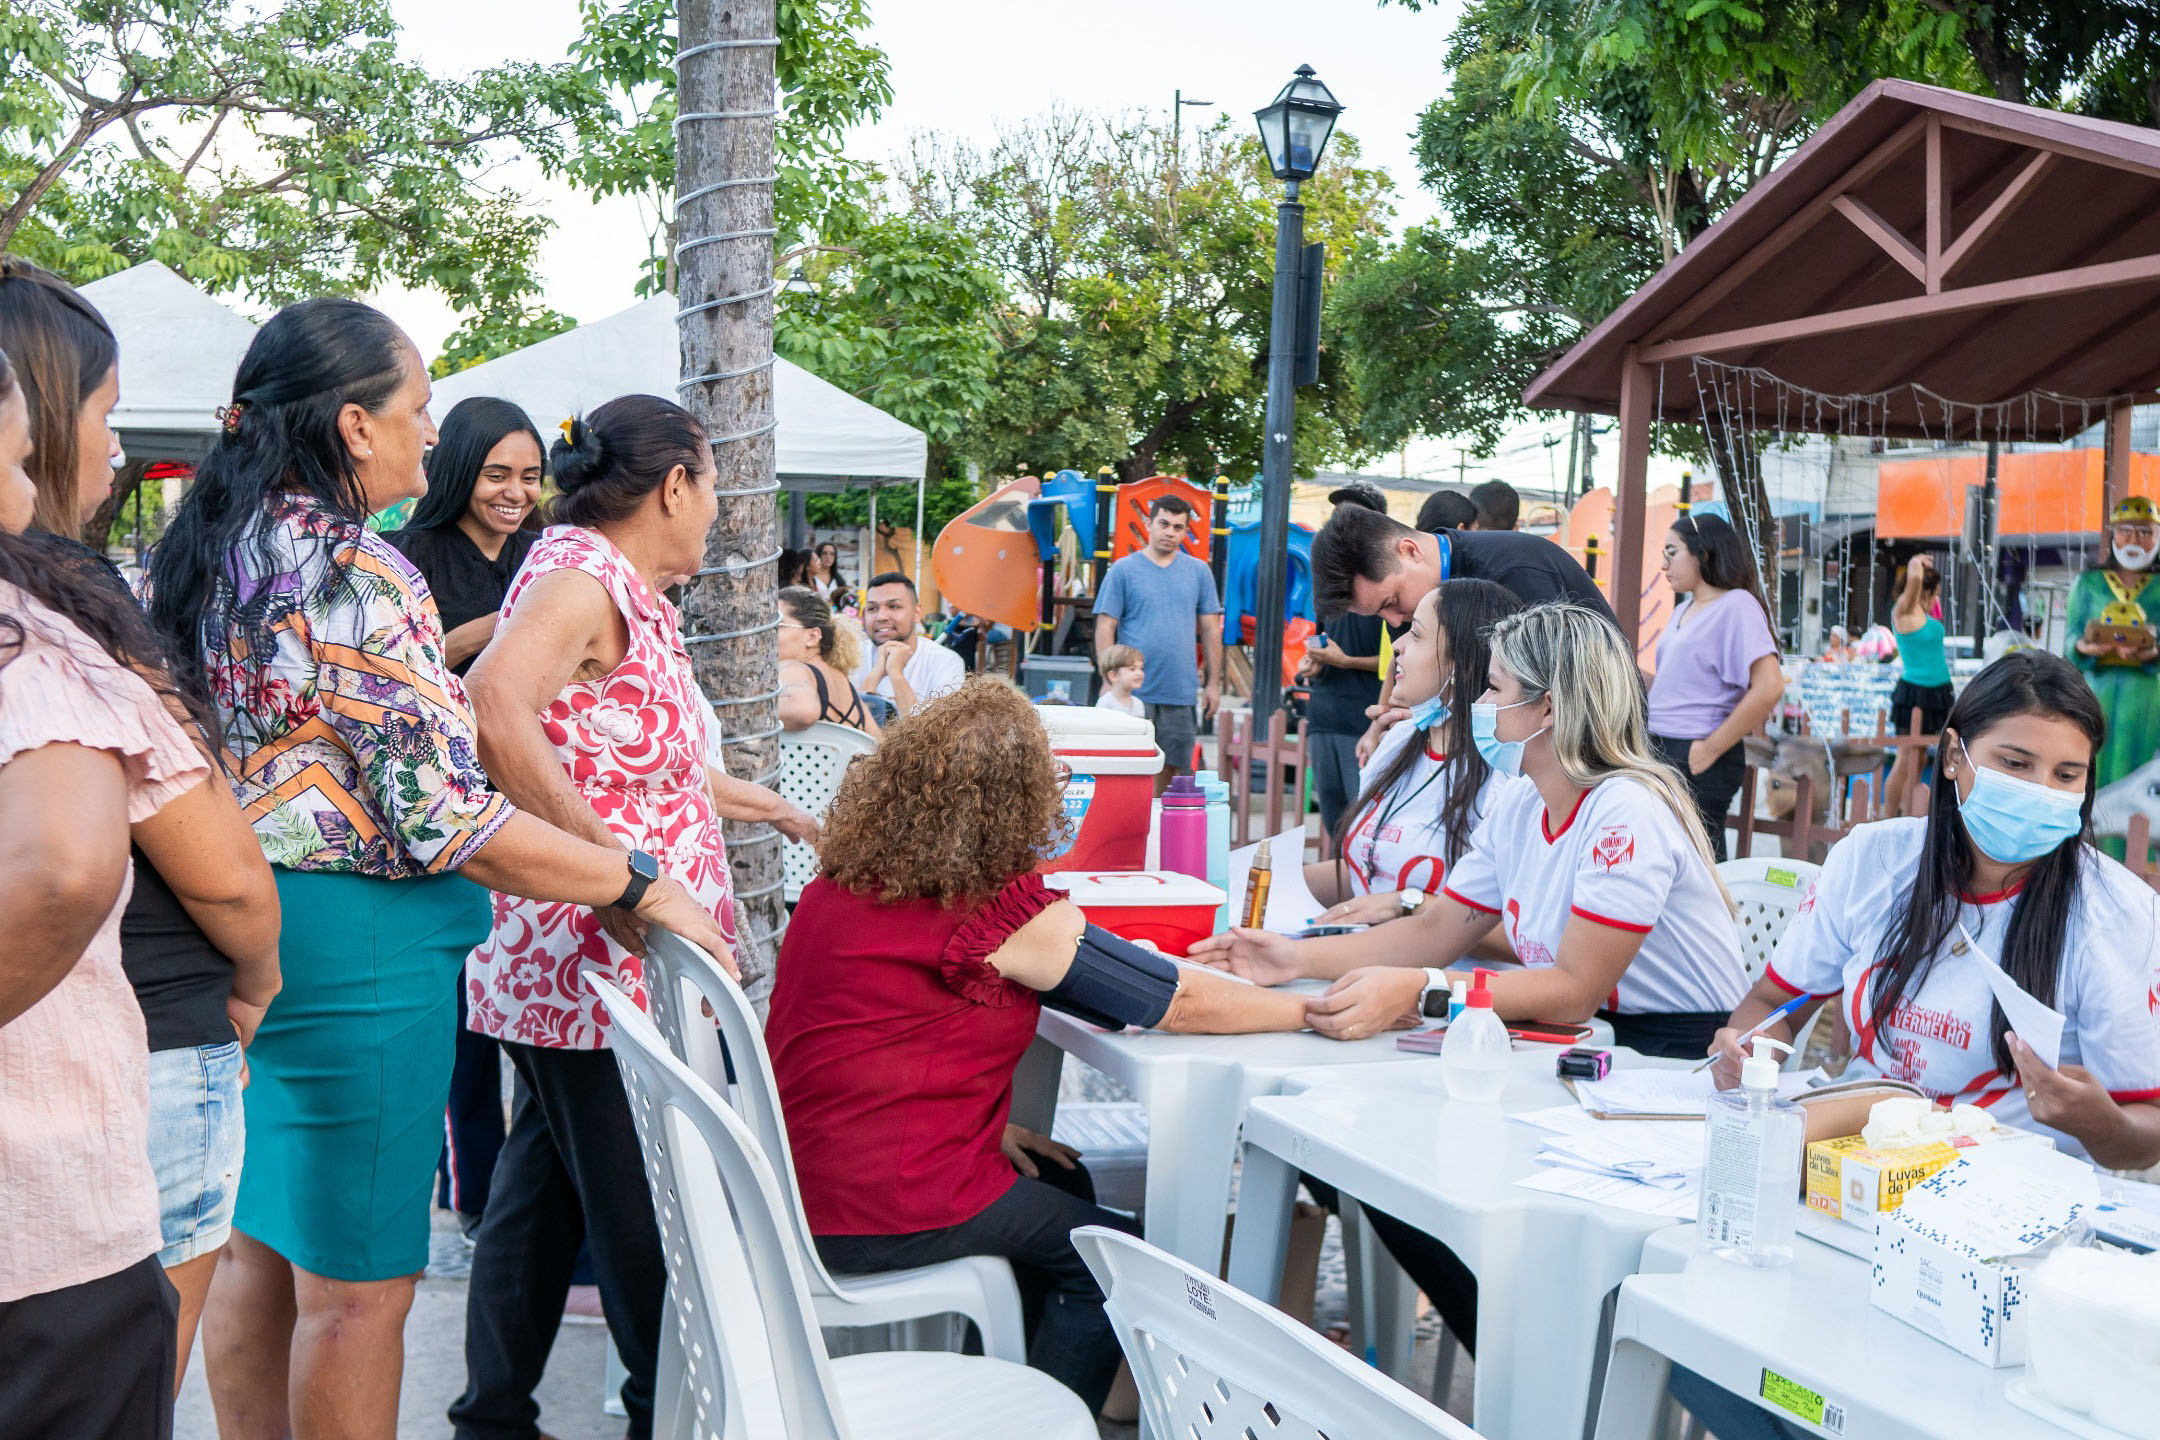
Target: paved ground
570, 1394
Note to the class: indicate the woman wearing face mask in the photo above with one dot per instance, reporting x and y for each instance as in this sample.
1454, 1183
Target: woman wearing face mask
1597, 872
1901, 924
1426, 787
2115, 615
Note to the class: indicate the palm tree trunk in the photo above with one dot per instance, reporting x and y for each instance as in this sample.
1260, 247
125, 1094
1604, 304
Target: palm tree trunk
724, 149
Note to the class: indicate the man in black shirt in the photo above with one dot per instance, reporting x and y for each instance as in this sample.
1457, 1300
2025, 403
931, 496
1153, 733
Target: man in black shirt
1370, 565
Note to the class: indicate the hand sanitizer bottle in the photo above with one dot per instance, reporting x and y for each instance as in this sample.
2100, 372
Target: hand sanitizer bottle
1751, 1165
1474, 1053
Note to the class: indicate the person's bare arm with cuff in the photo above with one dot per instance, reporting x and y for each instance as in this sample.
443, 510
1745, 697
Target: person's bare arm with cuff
1442, 932
1041, 953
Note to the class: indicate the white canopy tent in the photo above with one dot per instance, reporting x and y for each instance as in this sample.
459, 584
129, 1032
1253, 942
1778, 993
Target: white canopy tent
179, 350
828, 440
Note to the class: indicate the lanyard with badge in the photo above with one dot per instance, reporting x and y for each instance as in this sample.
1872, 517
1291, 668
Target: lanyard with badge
1393, 808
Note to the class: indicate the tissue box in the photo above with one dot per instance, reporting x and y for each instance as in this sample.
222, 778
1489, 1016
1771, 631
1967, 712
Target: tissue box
1851, 1182
1947, 1260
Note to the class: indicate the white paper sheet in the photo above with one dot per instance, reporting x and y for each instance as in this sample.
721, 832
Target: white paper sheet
1666, 1092
1679, 1204
2038, 1025
1290, 904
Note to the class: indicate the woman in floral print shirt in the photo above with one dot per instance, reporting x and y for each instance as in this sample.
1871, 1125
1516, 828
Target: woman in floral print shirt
353, 756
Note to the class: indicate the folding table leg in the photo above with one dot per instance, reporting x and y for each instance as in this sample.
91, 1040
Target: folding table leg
1260, 1242
1634, 1392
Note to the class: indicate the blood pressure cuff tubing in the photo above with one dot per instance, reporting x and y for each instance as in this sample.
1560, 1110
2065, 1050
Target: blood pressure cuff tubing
1114, 982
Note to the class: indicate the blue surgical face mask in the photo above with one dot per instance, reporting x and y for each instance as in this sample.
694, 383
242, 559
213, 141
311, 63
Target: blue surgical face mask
1504, 756
2014, 821
1432, 712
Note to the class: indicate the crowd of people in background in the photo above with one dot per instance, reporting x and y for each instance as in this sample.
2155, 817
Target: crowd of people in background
301, 844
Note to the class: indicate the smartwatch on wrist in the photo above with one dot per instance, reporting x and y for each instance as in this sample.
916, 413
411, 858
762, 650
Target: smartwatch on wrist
1435, 994
643, 871
1411, 899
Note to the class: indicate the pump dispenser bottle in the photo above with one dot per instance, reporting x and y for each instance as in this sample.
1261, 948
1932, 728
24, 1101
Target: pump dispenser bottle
1474, 1052
1751, 1165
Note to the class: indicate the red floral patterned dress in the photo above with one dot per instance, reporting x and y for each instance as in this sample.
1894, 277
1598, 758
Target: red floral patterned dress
634, 743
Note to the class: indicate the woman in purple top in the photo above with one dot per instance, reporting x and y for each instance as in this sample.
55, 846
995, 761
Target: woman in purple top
1717, 665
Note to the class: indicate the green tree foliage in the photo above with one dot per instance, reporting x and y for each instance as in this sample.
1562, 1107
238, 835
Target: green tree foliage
275, 151
830, 79
2097, 57
1140, 282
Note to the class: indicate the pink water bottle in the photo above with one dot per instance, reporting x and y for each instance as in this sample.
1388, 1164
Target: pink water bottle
1184, 828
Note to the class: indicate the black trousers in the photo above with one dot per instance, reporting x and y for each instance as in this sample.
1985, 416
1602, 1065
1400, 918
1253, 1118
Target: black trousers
93, 1361
571, 1173
1713, 789
473, 1122
1069, 1336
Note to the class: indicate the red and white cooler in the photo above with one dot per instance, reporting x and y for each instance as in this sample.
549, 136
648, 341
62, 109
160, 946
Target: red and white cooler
1110, 796
1170, 911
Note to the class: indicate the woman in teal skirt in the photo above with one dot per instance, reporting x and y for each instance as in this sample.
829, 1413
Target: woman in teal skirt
354, 760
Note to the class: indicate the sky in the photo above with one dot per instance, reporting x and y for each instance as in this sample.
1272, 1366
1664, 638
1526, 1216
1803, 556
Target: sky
965, 67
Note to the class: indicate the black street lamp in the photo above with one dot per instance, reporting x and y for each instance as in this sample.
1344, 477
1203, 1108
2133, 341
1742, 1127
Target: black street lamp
1295, 130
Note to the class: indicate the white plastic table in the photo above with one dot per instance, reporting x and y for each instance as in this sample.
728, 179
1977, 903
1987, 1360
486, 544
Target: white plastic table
1811, 1324
1195, 1088
1545, 1263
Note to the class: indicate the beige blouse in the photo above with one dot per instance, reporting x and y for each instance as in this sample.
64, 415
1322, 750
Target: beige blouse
76, 1187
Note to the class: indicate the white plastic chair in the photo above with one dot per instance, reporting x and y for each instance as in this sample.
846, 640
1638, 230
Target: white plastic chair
755, 1365
1766, 895
811, 764
979, 1287
1212, 1363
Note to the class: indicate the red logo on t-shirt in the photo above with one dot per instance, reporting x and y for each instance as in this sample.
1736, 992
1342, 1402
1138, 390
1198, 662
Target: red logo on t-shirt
1613, 848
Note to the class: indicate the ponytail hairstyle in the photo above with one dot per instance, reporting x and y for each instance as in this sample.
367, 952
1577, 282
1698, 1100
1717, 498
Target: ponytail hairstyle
63, 350
1723, 557
836, 642
609, 461
306, 364
1466, 610
2024, 682
1581, 662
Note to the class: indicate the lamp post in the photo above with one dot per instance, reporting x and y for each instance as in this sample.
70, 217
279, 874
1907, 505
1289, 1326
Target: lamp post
1294, 129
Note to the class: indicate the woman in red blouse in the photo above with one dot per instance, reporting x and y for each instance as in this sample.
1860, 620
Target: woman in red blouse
908, 989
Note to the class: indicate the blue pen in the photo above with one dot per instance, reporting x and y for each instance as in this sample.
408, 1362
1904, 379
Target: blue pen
1761, 1025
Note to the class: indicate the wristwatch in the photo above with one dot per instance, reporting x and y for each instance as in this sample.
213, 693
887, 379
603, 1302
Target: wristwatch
1435, 994
643, 871
1411, 899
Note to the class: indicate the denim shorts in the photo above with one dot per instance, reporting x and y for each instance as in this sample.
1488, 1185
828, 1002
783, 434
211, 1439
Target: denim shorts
197, 1135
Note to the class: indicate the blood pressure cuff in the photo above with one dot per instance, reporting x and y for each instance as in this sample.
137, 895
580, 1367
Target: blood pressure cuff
1114, 982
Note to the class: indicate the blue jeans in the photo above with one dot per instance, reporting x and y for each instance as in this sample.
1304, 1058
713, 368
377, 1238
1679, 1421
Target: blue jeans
198, 1133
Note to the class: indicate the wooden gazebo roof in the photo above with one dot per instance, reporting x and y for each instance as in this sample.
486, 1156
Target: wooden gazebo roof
1924, 246
1979, 249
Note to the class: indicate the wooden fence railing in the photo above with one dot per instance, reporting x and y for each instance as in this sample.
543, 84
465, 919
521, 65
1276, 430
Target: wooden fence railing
1237, 749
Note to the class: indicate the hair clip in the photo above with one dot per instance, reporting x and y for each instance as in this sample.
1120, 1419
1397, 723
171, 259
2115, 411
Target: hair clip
229, 416
567, 425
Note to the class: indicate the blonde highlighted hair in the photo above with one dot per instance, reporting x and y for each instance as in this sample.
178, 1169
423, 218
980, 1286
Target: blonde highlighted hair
1600, 727
838, 643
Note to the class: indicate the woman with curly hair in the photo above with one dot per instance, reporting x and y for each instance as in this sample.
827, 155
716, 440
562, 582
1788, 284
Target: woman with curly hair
908, 989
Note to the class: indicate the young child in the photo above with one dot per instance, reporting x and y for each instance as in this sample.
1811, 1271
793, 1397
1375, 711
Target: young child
1123, 670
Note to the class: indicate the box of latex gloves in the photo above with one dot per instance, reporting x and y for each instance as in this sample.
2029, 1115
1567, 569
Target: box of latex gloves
1952, 1259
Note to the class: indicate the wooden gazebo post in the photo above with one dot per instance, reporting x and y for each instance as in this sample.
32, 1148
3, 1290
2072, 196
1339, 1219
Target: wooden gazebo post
1638, 392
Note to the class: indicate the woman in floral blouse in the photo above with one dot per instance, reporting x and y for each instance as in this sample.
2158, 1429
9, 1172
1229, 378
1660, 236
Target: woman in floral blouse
353, 754
590, 716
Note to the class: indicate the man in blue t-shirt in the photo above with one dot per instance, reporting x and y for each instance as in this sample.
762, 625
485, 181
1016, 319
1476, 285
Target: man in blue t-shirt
1158, 601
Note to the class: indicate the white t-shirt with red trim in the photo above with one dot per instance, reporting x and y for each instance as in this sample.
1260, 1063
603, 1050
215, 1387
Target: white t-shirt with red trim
1395, 843
1938, 1037
1621, 859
